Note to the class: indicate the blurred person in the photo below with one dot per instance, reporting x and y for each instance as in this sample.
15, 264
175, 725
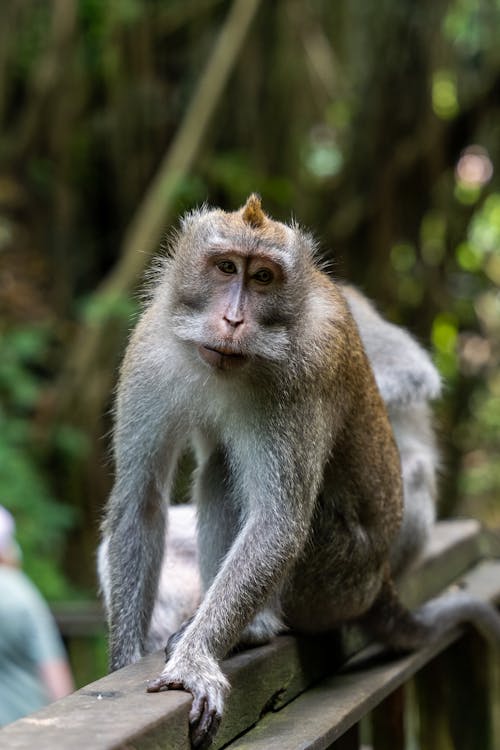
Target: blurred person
33, 667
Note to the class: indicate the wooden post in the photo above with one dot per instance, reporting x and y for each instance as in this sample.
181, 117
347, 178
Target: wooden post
495, 698
348, 741
468, 678
388, 722
453, 698
430, 700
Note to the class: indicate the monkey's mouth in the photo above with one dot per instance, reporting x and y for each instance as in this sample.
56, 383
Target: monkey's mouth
222, 358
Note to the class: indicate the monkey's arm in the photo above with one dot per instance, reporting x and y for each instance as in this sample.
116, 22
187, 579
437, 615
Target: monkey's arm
278, 505
131, 551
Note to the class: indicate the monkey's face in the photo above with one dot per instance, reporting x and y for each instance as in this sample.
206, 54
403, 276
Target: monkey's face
238, 289
245, 289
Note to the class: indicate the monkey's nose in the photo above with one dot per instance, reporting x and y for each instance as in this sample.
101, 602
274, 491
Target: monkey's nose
234, 320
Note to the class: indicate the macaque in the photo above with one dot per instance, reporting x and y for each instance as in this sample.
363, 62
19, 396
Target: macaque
252, 354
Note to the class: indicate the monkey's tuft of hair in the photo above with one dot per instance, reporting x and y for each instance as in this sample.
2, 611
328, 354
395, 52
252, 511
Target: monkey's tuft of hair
252, 211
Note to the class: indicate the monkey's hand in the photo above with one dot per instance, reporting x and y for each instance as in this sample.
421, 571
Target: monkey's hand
201, 676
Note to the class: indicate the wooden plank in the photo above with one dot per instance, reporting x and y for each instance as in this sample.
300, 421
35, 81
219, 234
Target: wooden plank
317, 718
268, 677
490, 542
454, 547
321, 715
110, 713
116, 709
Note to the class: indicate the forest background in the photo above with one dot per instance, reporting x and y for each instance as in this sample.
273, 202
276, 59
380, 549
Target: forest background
376, 125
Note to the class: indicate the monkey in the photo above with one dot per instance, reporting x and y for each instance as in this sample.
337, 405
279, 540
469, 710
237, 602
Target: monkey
249, 351
408, 382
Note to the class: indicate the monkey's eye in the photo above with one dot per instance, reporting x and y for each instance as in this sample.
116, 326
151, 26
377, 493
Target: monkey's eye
227, 266
264, 276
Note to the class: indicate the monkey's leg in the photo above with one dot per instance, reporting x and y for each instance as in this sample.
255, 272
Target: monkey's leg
413, 536
146, 450
217, 512
217, 519
175, 638
133, 546
179, 589
218, 525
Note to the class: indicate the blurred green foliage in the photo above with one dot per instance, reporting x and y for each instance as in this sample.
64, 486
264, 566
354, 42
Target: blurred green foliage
444, 94
26, 491
96, 309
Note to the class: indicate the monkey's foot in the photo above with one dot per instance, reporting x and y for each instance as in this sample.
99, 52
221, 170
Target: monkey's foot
202, 677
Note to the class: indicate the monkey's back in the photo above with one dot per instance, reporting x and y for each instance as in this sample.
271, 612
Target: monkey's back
358, 511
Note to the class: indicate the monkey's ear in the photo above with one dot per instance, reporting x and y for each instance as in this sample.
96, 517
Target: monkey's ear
252, 211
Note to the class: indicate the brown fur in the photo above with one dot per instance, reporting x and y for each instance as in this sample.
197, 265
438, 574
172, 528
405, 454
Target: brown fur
252, 212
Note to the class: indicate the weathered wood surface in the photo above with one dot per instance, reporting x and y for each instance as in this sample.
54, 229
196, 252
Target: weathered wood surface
116, 712
314, 720
453, 549
109, 713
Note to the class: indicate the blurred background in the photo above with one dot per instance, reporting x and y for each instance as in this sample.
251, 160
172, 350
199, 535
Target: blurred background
376, 125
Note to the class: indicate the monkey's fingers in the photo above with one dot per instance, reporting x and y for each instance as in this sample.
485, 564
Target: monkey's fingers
163, 682
204, 718
204, 722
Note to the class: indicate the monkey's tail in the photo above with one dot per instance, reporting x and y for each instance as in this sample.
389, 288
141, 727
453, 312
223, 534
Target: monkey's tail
389, 622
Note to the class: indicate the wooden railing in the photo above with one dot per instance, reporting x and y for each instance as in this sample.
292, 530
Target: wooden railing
313, 693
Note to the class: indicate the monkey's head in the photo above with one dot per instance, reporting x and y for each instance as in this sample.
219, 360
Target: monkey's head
239, 282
